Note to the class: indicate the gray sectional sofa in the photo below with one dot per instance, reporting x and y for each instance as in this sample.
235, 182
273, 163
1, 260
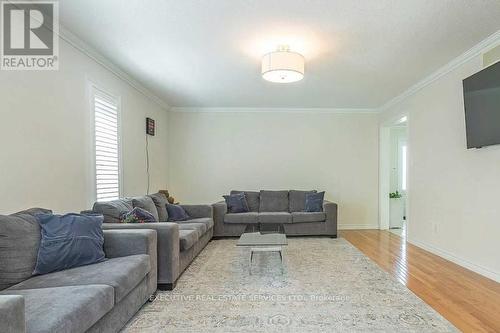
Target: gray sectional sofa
94, 298
276, 207
178, 242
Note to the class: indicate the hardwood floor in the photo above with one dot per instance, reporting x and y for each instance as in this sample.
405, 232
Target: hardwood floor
468, 300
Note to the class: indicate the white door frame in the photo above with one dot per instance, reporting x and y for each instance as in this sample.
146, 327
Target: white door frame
402, 142
385, 169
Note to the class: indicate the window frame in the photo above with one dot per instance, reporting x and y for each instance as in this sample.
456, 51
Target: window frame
96, 90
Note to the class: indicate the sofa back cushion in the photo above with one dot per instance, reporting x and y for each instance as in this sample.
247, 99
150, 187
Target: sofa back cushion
160, 201
113, 210
145, 203
298, 200
273, 201
20, 237
253, 199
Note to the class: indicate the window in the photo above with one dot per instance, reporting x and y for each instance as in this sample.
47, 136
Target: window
107, 146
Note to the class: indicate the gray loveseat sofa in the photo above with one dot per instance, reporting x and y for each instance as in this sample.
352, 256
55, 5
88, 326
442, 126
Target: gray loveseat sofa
178, 242
94, 298
277, 207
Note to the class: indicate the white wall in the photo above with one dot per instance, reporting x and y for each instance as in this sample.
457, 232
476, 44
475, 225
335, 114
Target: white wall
454, 193
46, 150
211, 153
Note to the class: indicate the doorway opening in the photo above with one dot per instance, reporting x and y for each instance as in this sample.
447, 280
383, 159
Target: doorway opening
394, 176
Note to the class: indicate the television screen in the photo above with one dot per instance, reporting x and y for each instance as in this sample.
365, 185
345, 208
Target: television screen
482, 107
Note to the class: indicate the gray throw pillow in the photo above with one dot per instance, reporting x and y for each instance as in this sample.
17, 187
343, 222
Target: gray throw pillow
236, 203
20, 239
176, 213
70, 240
314, 202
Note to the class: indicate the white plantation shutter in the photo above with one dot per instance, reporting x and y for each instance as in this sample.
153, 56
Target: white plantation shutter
107, 150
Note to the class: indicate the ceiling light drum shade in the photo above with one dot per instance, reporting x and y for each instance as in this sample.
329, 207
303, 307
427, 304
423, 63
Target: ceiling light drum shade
283, 67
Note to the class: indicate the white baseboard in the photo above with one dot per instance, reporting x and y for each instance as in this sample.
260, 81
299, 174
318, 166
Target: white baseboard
457, 260
357, 226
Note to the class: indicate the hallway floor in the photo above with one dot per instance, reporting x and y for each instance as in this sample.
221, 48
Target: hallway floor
468, 300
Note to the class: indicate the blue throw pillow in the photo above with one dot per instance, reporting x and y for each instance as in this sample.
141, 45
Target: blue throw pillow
176, 213
236, 203
314, 202
137, 215
68, 241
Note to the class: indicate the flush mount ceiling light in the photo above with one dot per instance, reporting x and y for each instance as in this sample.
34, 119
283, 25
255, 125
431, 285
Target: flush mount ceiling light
283, 66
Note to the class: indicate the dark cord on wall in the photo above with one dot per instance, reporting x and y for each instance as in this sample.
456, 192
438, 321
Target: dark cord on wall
147, 161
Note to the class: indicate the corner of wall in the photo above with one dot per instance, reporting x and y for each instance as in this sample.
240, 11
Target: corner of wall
482, 47
76, 42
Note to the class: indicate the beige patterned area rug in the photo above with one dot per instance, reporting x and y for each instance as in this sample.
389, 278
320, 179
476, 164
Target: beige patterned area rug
327, 286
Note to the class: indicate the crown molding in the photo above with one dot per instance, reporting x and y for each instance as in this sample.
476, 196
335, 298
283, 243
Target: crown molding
271, 110
93, 54
480, 48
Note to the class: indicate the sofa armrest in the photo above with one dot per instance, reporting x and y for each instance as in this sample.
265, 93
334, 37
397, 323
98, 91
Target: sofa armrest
122, 243
198, 211
167, 246
220, 209
330, 209
12, 314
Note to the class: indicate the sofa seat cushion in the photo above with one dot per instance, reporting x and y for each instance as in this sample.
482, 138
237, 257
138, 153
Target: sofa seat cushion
187, 238
201, 228
273, 201
123, 274
64, 309
275, 217
243, 218
209, 222
301, 217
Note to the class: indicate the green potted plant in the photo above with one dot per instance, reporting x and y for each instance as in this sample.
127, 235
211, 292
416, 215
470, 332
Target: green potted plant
395, 195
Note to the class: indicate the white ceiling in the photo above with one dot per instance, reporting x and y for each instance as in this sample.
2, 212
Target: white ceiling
359, 53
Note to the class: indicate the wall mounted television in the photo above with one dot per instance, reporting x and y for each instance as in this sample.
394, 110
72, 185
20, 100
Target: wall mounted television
482, 107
